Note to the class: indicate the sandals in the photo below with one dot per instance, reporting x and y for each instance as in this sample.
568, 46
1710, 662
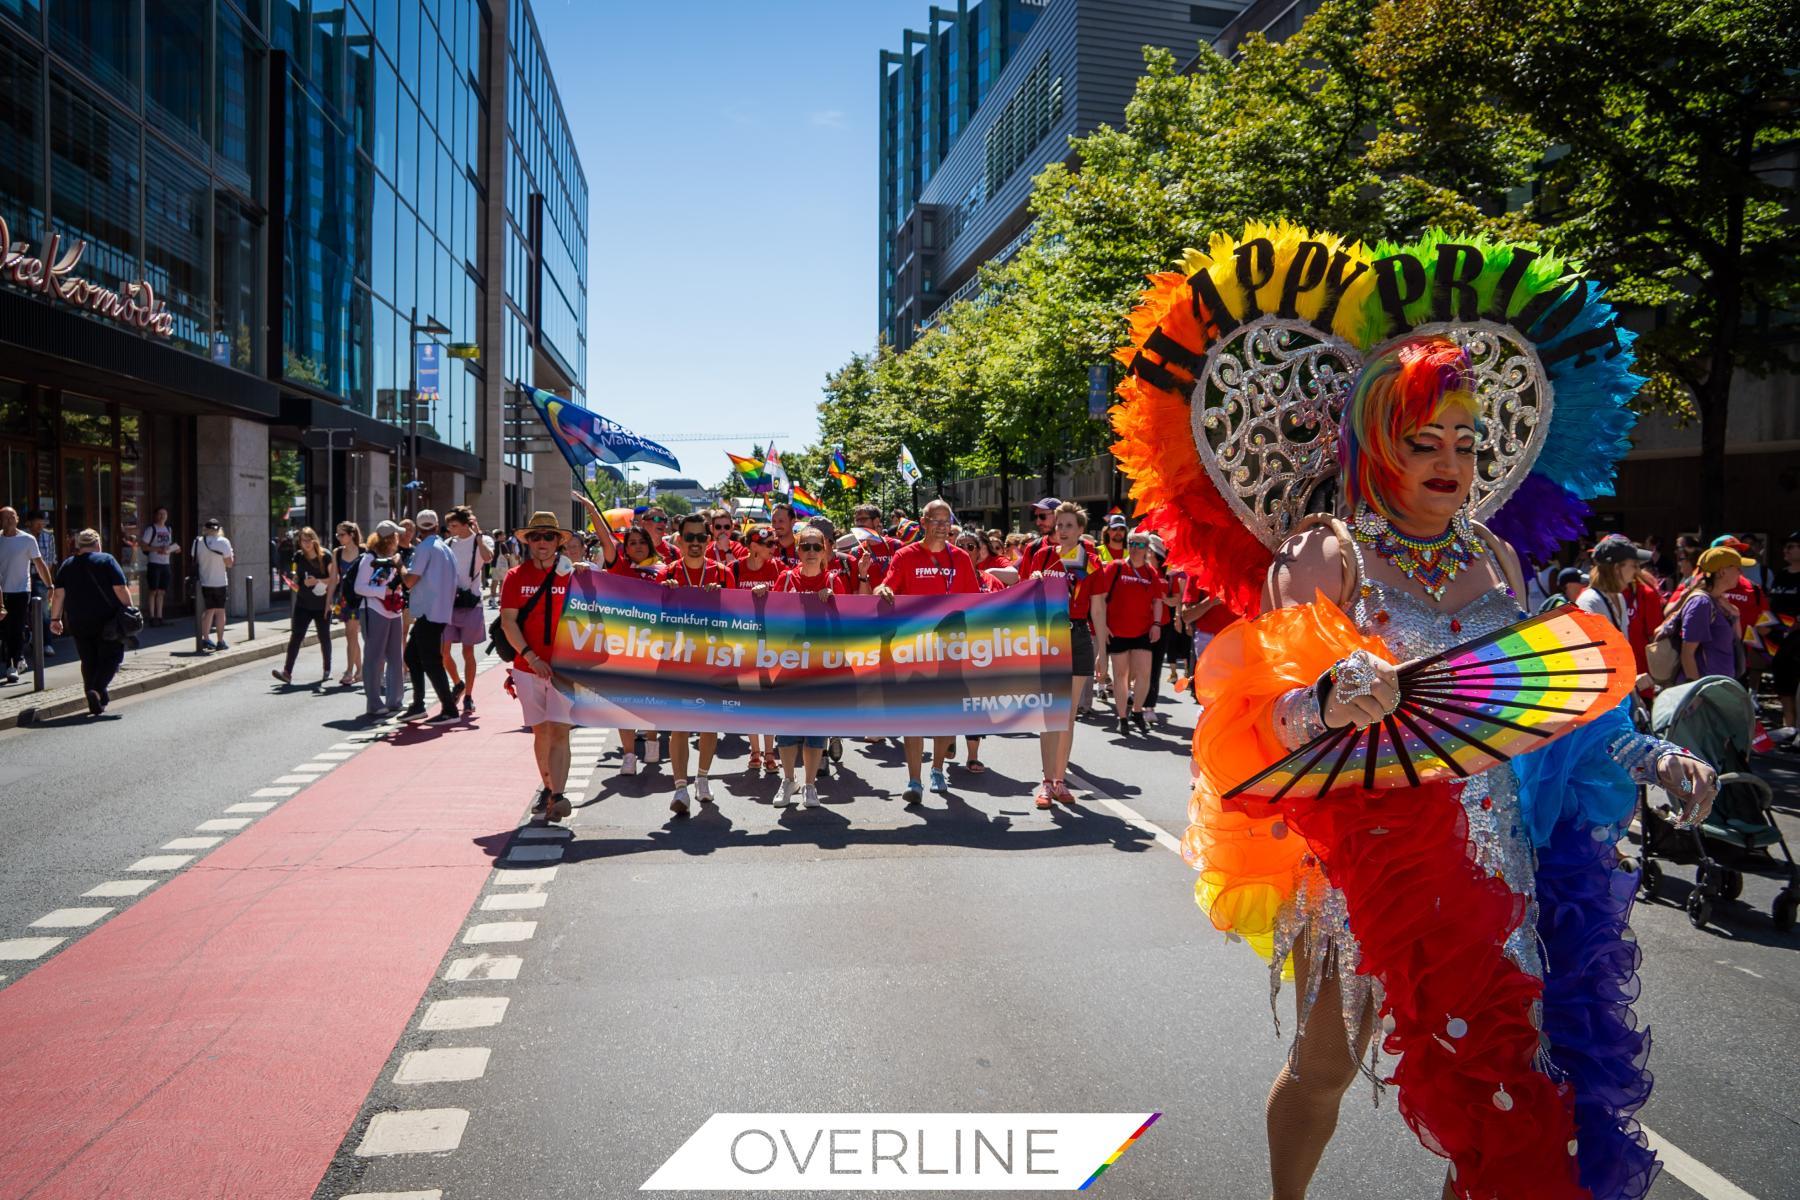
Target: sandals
975, 766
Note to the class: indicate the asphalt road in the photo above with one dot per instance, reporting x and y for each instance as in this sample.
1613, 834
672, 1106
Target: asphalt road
974, 956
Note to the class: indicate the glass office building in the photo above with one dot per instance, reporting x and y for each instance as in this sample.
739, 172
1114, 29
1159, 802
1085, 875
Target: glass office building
229, 224
975, 105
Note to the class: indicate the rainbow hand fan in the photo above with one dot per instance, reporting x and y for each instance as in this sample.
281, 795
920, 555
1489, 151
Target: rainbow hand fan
1460, 712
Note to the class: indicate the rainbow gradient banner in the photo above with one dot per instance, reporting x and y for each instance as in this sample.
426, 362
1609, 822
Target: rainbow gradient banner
636, 655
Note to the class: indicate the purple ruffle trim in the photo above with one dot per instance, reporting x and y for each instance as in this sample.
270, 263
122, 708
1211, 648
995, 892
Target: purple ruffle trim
1591, 960
1539, 518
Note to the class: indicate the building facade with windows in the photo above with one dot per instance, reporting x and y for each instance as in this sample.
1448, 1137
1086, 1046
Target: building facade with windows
229, 226
976, 104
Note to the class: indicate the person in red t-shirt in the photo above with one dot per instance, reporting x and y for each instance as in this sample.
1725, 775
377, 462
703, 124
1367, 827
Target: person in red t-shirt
547, 709
781, 520
874, 549
972, 543
929, 567
1127, 614
1205, 616
758, 571
637, 559
1066, 552
724, 547
814, 575
693, 569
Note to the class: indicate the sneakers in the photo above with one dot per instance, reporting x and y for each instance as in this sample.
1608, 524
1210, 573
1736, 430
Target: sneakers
284, 676
559, 808
220, 645
468, 706
1122, 727
10, 677
939, 784
94, 703
1137, 718
679, 805
457, 690
784, 795
412, 712
914, 794
1044, 792
628, 766
448, 717
703, 789
810, 797
652, 748
540, 801
1060, 789
206, 646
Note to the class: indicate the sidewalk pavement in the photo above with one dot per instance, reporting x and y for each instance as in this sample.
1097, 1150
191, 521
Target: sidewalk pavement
166, 655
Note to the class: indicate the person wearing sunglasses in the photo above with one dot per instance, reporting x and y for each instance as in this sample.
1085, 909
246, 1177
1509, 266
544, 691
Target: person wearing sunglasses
1072, 554
724, 546
655, 522
637, 559
814, 575
1112, 543
930, 566
972, 543
759, 572
1127, 616
693, 569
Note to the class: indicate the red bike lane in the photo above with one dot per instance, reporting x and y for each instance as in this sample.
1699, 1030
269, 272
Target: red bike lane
218, 1037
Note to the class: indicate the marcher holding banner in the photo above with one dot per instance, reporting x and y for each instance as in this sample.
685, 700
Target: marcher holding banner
531, 603
811, 576
693, 569
1067, 552
929, 567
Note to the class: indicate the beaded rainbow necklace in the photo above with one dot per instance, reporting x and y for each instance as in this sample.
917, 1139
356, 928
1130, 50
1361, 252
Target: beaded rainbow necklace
1432, 563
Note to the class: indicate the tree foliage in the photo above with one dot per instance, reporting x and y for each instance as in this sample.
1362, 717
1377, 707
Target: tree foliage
1638, 136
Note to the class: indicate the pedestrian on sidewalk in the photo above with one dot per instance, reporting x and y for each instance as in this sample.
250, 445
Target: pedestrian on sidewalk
213, 559
472, 549
346, 606
90, 589
430, 598
531, 602
158, 542
34, 525
314, 573
21, 565
379, 587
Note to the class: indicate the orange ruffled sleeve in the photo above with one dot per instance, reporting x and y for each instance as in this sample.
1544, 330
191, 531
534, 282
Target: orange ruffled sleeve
1249, 862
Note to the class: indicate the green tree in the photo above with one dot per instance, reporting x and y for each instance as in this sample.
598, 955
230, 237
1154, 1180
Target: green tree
1658, 126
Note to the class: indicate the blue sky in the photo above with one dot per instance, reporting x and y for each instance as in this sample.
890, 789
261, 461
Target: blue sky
730, 152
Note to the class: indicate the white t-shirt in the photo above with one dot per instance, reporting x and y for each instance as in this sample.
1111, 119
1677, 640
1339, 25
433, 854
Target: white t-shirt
18, 550
156, 540
210, 553
464, 550
1593, 600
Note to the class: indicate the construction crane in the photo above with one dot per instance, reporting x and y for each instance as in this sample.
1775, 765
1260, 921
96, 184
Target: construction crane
757, 438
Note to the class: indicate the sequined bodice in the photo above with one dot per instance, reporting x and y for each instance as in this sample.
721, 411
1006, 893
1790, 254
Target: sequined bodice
1412, 628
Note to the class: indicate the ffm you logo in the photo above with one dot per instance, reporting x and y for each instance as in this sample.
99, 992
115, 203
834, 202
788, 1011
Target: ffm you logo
900, 1152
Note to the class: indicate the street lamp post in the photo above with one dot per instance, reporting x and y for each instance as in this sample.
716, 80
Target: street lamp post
434, 328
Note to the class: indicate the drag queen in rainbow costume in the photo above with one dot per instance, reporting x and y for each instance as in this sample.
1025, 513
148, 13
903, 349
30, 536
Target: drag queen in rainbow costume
1353, 448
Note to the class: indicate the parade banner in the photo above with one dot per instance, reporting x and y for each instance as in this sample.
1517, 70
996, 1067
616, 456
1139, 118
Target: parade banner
636, 655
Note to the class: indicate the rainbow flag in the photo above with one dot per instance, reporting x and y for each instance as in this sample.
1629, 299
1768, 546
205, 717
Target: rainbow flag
839, 470
750, 470
804, 502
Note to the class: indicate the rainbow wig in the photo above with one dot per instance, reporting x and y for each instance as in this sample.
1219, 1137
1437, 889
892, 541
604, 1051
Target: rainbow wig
1399, 392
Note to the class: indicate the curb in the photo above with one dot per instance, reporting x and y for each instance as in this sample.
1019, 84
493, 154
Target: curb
137, 687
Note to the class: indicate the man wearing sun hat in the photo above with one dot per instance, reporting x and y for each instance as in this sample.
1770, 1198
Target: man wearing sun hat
528, 622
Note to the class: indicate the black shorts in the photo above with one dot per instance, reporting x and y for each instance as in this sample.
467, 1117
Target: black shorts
213, 597
1120, 645
158, 577
1081, 649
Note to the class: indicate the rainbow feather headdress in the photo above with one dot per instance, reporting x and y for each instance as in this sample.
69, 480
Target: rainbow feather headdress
1239, 365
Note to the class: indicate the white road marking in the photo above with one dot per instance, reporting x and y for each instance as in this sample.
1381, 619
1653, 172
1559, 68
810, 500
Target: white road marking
434, 1194
505, 900
539, 833
25, 949
1691, 1171
526, 875
121, 887
450, 1065
537, 854
480, 967
414, 1131
464, 1012
1682, 1165
161, 862
252, 806
352, 746
70, 918
274, 791
286, 779
500, 931
1126, 813
223, 824
334, 755
192, 843
312, 768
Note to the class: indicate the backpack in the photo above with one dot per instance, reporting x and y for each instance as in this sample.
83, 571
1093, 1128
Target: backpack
497, 640
1662, 657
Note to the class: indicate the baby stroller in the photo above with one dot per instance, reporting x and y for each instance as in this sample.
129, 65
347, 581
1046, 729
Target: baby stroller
1715, 718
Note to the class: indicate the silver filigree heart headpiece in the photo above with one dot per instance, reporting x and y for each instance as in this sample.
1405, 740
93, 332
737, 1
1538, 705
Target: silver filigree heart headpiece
1269, 397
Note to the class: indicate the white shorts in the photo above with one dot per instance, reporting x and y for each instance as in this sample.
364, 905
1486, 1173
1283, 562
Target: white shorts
541, 700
